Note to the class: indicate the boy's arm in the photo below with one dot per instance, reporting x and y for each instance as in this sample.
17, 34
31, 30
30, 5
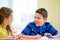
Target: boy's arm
57, 36
52, 30
26, 30
27, 36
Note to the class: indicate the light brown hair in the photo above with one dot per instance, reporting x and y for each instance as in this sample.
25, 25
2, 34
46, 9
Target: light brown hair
5, 12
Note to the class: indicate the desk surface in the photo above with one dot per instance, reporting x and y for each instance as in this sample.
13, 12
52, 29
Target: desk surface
40, 39
56, 39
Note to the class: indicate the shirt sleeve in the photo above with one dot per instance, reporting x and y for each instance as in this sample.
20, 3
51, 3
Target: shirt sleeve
3, 35
26, 30
52, 30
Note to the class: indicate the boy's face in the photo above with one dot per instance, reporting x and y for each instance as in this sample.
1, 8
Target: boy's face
39, 19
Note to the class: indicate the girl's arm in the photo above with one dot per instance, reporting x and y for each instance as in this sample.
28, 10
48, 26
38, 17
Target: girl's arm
7, 38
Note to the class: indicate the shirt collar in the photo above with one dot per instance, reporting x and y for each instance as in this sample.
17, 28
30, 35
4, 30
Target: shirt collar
43, 26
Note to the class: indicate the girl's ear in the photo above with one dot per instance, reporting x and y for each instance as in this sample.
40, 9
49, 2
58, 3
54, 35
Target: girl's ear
45, 19
5, 20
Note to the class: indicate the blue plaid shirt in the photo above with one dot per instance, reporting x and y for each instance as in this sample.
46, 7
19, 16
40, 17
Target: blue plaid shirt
32, 29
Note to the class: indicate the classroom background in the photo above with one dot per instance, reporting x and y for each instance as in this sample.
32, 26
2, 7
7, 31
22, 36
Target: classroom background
23, 12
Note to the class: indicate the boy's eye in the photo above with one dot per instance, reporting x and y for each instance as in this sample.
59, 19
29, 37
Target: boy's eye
37, 18
34, 17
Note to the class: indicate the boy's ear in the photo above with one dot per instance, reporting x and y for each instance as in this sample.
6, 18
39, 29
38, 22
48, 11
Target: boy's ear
45, 19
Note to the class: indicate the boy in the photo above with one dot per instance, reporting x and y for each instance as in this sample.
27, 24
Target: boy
40, 26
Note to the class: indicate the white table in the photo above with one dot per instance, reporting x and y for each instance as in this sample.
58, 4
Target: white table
45, 38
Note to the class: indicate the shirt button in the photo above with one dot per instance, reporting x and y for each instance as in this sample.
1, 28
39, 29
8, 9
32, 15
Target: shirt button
40, 32
40, 28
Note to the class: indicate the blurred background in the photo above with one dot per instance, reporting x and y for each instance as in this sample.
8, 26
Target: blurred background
23, 12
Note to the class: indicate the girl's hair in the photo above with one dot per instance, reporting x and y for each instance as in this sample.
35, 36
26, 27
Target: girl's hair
5, 12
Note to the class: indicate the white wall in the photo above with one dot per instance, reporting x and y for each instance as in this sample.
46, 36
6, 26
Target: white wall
5, 3
23, 13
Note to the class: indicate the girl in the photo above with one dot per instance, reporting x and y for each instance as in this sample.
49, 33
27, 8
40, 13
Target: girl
5, 22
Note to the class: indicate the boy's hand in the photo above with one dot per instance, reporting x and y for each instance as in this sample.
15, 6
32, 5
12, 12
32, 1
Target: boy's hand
48, 35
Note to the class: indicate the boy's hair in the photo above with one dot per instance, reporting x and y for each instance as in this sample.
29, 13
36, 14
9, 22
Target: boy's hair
43, 12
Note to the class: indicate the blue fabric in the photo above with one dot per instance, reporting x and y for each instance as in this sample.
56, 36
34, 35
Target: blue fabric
32, 29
